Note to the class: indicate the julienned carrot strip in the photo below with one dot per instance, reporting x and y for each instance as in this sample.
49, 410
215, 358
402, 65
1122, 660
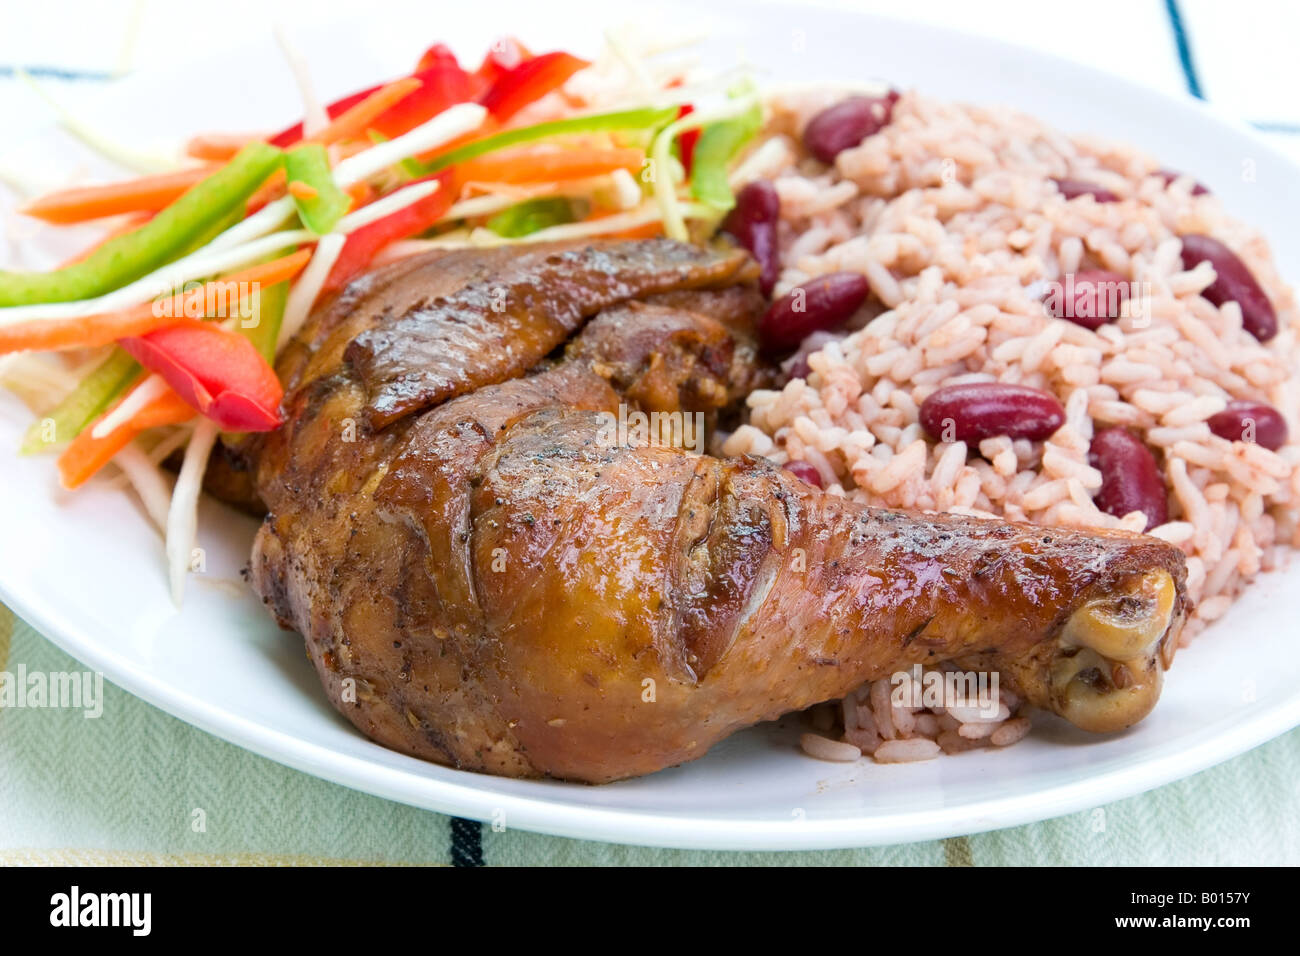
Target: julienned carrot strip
232, 292
353, 123
217, 147
361, 192
87, 454
133, 222
148, 193
546, 164
301, 190
650, 230
271, 190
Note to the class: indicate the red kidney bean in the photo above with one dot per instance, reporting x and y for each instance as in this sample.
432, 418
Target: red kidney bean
1169, 175
1074, 188
1234, 283
1244, 420
978, 410
753, 223
1090, 298
846, 124
824, 303
1130, 478
804, 471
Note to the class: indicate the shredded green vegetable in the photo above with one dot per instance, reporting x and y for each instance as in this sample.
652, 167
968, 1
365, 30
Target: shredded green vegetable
88, 401
534, 215
310, 164
268, 313
717, 146
647, 118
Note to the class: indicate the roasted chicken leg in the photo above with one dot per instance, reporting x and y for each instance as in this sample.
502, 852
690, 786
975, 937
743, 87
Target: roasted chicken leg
488, 575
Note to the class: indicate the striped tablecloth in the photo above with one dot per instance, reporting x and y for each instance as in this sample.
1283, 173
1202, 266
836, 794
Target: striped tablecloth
138, 786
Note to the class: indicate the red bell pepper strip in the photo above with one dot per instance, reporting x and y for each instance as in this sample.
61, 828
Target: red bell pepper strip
217, 372
442, 83
503, 56
508, 80
528, 82
686, 142
437, 55
364, 244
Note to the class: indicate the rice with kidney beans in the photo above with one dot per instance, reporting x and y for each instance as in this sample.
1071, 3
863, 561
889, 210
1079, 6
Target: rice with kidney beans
952, 214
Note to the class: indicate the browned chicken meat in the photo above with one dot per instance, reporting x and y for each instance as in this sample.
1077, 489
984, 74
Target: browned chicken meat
490, 574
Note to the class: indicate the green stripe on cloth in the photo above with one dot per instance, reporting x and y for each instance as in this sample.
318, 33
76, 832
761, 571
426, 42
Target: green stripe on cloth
126, 787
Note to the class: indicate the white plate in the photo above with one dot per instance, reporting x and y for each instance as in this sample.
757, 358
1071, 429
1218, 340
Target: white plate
87, 570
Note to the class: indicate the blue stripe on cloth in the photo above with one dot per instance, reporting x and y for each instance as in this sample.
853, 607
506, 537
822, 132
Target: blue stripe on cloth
1184, 49
1276, 126
56, 73
466, 842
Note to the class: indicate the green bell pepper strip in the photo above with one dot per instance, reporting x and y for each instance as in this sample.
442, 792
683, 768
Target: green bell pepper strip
88, 401
268, 309
646, 118
528, 217
310, 164
237, 214
717, 146
162, 239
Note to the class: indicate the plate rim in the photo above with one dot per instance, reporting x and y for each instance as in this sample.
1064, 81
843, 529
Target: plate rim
576, 821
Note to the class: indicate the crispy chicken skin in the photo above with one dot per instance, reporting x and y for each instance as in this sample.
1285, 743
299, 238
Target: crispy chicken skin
487, 578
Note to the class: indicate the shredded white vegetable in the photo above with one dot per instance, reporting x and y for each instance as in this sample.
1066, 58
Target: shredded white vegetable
397, 199
178, 436
183, 514
761, 162
152, 387
124, 156
454, 239
635, 68
692, 94
315, 117
148, 481
126, 56
479, 206
34, 374
448, 125
304, 292
626, 191
266, 220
